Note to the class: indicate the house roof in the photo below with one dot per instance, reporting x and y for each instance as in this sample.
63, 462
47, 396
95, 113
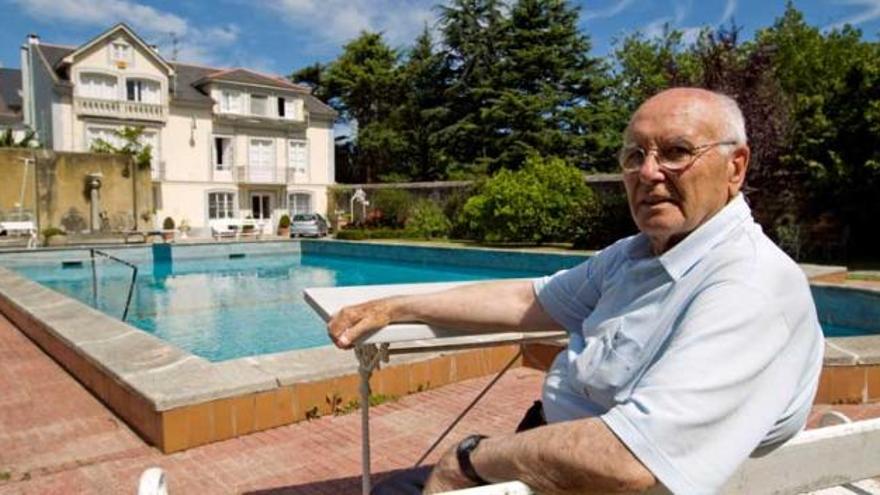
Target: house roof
120, 28
190, 77
55, 53
10, 96
248, 76
184, 87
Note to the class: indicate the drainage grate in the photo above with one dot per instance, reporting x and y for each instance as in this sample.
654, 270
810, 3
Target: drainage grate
236, 255
71, 264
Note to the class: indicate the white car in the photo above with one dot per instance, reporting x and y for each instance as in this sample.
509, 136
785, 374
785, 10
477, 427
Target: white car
308, 224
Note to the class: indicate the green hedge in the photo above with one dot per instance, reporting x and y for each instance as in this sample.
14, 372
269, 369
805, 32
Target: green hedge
380, 233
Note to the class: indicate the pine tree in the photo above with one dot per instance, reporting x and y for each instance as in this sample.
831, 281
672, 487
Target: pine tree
366, 82
422, 111
549, 86
473, 36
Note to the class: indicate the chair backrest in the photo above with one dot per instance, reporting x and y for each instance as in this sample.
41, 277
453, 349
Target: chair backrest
813, 460
222, 225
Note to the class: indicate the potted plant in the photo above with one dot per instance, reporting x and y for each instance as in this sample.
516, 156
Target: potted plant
284, 226
168, 229
53, 236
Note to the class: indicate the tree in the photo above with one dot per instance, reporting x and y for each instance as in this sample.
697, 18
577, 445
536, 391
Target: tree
832, 81
7, 140
422, 112
547, 80
129, 141
365, 87
472, 34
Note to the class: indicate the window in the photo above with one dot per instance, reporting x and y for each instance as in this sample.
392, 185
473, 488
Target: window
262, 153
221, 205
281, 107
120, 52
259, 105
300, 203
261, 163
297, 160
222, 153
142, 90
230, 101
94, 85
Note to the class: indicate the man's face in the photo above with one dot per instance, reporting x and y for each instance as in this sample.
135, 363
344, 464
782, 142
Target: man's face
665, 205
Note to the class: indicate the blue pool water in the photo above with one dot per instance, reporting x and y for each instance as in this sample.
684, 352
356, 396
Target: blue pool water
220, 308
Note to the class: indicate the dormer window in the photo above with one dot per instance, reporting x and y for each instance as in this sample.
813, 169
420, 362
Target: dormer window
259, 105
230, 101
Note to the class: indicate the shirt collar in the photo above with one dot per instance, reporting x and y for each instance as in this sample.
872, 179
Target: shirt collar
678, 260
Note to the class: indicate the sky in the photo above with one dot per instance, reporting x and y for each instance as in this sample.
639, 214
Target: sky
279, 36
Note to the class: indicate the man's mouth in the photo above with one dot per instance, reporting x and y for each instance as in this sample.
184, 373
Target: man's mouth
656, 200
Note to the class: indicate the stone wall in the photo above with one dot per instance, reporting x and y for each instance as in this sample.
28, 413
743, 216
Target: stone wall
56, 192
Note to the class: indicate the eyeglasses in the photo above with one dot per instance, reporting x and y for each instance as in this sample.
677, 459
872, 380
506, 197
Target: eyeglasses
672, 158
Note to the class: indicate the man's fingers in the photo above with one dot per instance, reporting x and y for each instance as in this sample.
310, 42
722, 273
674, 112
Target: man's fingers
351, 334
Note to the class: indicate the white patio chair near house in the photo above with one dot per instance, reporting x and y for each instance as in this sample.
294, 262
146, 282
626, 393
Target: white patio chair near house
21, 228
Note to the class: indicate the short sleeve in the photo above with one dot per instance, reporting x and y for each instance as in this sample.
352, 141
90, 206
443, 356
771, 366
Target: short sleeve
569, 296
717, 390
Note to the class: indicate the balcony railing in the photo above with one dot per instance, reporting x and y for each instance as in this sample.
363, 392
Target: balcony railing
120, 109
266, 175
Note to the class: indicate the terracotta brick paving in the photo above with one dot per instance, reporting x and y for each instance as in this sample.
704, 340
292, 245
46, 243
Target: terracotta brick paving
55, 437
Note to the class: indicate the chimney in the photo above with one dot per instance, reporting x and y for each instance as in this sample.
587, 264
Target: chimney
33, 39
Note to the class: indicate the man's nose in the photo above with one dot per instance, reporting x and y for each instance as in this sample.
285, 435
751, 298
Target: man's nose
650, 170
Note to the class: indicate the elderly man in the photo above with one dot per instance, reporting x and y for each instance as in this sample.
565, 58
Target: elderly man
692, 344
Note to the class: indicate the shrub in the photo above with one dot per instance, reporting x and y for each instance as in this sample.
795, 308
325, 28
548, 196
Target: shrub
394, 205
351, 235
539, 203
603, 222
52, 232
284, 222
168, 223
380, 233
428, 220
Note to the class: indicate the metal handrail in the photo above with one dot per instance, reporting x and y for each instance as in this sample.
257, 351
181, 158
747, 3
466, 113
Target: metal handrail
92, 253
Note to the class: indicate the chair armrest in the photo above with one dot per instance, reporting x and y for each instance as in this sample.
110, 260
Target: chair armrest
328, 300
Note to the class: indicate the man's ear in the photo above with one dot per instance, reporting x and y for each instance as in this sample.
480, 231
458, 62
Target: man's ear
737, 167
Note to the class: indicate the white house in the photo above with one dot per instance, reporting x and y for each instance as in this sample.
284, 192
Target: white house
227, 142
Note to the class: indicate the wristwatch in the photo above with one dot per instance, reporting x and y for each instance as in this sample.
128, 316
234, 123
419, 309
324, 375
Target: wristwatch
463, 453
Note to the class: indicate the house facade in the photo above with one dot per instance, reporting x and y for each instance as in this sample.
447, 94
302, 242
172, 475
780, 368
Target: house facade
226, 143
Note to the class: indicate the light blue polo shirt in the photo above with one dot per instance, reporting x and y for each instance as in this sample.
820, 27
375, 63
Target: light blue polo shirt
695, 358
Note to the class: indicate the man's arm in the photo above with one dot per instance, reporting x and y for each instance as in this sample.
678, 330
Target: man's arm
574, 457
491, 306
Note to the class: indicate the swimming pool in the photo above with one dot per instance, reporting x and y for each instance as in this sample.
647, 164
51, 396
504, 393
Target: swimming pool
222, 308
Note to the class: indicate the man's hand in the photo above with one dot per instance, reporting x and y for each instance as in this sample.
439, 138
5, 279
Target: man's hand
446, 475
353, 322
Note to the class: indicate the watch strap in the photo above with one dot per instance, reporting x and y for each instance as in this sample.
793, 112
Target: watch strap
463, 453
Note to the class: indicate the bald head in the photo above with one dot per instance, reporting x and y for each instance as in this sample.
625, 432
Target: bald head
721, 112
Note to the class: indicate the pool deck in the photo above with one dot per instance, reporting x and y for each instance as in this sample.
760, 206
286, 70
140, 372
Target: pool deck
55, 437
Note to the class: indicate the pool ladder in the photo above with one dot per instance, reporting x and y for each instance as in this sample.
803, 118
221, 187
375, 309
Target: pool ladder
134, 273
